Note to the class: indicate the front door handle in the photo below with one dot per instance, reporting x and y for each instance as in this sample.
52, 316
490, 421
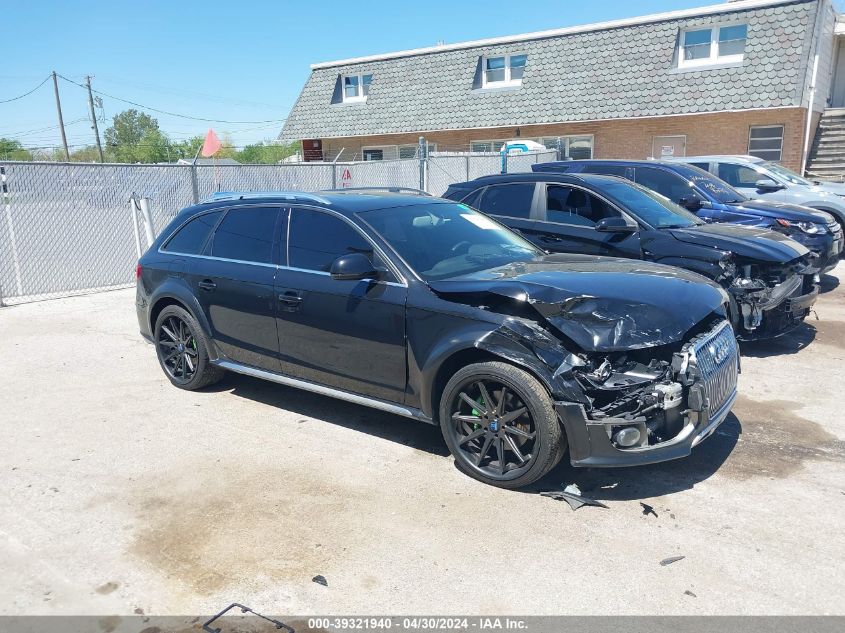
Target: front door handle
207, 284
290, 300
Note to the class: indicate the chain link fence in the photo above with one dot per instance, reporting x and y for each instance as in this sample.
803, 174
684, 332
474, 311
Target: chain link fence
69, 228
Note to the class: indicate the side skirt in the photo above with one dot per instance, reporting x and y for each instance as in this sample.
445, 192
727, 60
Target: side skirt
375, 403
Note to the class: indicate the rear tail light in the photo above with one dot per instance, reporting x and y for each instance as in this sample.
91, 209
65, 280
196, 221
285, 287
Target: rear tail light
138, 271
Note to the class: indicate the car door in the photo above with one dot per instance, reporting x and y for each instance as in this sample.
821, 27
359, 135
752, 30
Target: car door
342, 333
234, 284
568, 215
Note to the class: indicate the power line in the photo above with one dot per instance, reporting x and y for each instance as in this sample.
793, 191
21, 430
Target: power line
174, 114
26, 94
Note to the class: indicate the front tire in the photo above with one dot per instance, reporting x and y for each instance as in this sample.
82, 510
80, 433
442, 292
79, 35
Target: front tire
182, 350
500, 425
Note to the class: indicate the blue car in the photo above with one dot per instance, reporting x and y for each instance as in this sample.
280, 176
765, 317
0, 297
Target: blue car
714, 200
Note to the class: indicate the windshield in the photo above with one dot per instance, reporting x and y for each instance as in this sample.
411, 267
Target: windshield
714, 187
649, 206
786, 174
447, 240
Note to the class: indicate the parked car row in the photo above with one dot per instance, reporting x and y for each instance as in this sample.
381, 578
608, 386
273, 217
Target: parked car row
604, 328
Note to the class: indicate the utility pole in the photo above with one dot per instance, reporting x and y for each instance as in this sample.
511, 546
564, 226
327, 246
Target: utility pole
94, 118
61, 120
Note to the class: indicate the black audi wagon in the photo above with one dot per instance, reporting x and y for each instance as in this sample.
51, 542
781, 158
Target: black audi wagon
428, 309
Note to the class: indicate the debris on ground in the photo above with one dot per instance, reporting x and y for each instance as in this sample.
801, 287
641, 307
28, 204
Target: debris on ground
690, 593
647, 509
572, 495
320, 580
670, 560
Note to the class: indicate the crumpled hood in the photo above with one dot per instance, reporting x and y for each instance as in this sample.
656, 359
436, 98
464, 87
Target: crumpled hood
747, 242
792, 212
603, 304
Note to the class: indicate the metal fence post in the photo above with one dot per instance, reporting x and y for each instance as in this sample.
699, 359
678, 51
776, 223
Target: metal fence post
13, 246
423, 158
133, 208
505, 159
559, 148
147, 217
195, 190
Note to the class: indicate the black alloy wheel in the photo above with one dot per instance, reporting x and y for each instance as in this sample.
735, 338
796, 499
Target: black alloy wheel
500, 425
177, 348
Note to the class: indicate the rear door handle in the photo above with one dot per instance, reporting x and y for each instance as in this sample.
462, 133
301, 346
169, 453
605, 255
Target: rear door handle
207, 284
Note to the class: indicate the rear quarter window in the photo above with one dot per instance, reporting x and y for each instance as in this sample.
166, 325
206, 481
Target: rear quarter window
191, 238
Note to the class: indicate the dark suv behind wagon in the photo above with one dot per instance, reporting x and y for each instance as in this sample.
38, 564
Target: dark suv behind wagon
427, 309
769, 277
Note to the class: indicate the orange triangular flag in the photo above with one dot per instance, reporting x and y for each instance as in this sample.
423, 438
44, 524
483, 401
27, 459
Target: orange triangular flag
211, 145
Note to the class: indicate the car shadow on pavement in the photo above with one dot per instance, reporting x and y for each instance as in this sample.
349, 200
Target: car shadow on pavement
388, 426
609, 484
655, 480
791, 343
828, 283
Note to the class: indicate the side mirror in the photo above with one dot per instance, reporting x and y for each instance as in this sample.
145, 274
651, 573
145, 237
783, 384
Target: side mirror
691, 202
353, 267
614, 225
767, 184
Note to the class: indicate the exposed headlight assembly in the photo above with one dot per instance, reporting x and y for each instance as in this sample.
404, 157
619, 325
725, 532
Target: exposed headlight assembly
810, 228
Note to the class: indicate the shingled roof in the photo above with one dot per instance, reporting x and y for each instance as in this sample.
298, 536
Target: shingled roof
622, 69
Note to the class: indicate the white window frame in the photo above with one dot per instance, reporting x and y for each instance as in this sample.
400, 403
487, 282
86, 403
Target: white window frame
714, 58
767, 138
566, 140
432, 147
495, 146
507, 82
388, 152
361, 96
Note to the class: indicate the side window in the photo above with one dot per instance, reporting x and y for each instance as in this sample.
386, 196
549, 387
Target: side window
316, 239
510, 200
472, 199
191, 238
246, 234
738, 175
704, 166
569, 205
665, 183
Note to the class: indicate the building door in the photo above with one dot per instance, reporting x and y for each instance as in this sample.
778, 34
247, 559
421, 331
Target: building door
837, 90
668, 147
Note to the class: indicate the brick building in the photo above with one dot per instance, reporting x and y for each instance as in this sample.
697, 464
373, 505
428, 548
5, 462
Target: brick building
732, 78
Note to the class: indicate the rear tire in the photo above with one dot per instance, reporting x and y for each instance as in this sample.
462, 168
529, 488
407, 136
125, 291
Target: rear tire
500, 425
182, 350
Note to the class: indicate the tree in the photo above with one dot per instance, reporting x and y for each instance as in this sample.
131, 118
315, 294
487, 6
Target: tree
188, 148
13, 150
124, 137
88, 154
266, 152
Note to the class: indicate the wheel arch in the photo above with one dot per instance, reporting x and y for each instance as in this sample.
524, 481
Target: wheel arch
838, 214
175, 294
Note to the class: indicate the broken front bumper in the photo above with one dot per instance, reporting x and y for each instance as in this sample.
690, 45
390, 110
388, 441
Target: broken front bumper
709, 372
777, 311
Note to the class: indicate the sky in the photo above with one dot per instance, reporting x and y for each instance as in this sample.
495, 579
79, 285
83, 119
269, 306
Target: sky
240, 62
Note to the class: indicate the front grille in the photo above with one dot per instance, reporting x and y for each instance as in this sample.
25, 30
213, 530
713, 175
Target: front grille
715, 355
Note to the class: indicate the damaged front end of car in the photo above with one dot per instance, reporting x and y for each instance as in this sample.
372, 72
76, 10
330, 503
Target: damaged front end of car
633, 381
768, 301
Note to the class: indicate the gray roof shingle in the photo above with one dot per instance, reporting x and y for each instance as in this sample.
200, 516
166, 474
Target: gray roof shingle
623, 72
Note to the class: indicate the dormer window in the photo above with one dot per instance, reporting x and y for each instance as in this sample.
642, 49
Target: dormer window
356, 87
712, 46
504, 70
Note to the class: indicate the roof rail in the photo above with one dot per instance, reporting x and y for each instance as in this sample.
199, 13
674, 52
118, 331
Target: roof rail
418, 192
285, 195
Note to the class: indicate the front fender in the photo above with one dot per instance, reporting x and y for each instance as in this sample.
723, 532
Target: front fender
517, 341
